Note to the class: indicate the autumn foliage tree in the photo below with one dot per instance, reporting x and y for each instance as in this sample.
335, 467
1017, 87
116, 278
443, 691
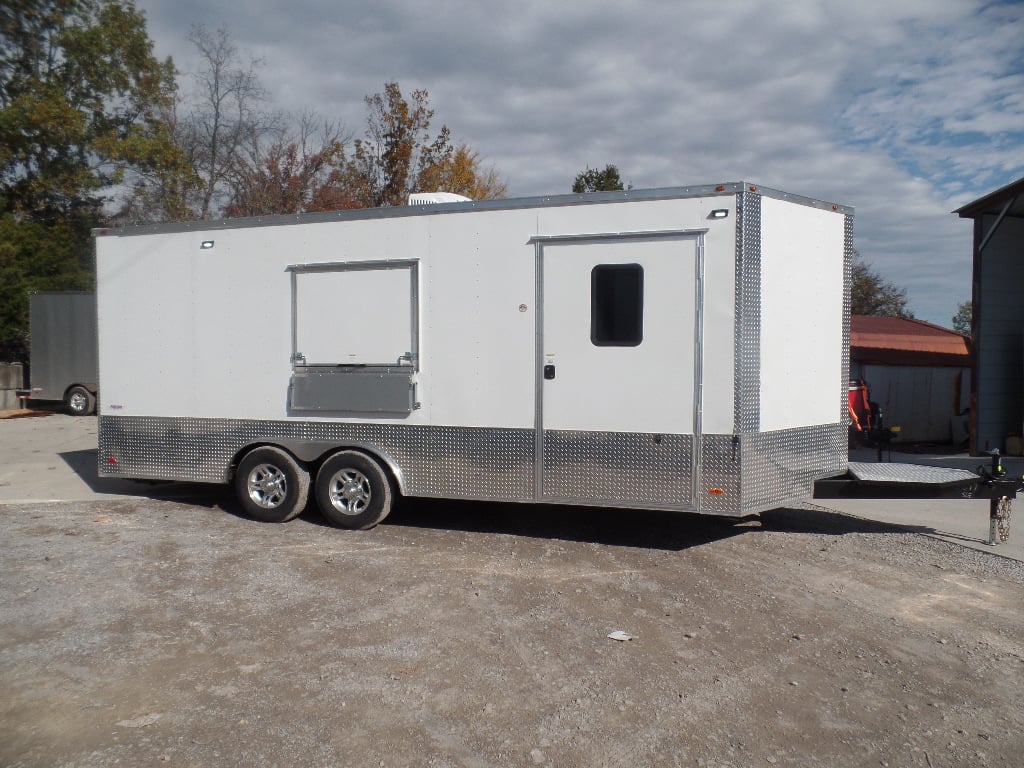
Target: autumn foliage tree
293, 173
386, 164
461, 173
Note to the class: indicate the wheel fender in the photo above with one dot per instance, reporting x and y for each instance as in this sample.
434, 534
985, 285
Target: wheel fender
312, 452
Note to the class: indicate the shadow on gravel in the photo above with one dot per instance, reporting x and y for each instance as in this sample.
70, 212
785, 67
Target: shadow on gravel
84, 464
596, 525
643, 529
829, 523
625, 527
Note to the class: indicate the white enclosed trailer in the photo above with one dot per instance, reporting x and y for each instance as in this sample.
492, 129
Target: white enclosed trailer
682, 349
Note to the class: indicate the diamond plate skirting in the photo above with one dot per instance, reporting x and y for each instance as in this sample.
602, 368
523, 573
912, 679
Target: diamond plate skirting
748, 474
781, 467
450, 462
768, 469
608, 467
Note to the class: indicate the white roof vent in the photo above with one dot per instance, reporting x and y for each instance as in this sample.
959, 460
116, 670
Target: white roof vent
427, 198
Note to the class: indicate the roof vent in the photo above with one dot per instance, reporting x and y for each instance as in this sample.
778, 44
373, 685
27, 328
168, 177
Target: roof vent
428, 198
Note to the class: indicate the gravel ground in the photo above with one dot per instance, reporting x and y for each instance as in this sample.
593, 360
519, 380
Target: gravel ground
150, 632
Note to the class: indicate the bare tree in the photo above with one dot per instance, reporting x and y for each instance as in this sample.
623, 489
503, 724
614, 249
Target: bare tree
228, 116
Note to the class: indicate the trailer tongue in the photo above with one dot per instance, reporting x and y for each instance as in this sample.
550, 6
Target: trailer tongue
865, 480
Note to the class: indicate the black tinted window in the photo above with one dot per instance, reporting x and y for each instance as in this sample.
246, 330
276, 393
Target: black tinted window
617, 305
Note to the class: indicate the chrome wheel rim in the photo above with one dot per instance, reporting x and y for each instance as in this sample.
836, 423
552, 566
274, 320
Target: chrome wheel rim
267, 486
350, 491
78, 402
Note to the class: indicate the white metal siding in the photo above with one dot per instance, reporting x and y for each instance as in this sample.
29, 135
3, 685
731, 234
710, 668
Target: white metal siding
206, 333
801, 315
718, 403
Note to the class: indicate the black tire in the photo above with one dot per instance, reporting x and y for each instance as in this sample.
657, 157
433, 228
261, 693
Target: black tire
353, 490
80, 401
271, 486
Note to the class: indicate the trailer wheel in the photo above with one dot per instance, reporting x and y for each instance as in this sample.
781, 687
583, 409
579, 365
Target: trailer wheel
80, 401
353, 490
271, 485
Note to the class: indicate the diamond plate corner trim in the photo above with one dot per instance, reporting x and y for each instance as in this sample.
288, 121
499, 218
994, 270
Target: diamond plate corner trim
719, 470
450, 462
779, 467
847, 304
626, 468
747, 354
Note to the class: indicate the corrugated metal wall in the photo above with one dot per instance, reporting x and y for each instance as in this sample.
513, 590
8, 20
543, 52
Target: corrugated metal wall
928, 404
999, 345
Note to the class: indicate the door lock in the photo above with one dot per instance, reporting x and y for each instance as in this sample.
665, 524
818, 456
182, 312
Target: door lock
549, 372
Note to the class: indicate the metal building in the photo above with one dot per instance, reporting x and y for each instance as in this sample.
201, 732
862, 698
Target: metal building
918, 373
997, 389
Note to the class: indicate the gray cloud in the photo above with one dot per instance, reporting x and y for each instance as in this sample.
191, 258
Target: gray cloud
902, 108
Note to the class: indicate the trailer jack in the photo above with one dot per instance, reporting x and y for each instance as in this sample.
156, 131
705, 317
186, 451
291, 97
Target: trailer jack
999, 521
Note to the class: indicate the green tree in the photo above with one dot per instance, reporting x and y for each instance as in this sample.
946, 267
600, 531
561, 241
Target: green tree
81, 95
80, 92
37, 256
594, 180
963, 318
870, 294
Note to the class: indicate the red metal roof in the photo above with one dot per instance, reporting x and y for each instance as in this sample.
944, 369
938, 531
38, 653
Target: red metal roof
902, 341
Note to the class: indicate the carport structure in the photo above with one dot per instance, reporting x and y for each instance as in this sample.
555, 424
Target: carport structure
997, 383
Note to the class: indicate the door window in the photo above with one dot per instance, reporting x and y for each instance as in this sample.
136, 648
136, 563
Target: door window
617, 305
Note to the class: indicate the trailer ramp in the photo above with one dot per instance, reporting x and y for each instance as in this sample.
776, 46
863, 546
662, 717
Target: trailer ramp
909, 473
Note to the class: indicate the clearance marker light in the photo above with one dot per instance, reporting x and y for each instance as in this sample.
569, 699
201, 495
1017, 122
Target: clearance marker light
716, 491
111, 460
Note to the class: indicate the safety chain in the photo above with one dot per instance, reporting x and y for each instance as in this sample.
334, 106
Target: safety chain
1003, 519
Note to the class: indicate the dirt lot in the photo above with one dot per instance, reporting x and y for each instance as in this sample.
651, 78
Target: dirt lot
147, 632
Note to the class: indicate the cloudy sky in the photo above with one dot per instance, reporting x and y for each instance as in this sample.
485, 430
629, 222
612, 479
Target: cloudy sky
904, 109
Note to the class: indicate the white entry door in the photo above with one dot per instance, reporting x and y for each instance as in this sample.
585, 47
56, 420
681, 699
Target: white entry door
619, 366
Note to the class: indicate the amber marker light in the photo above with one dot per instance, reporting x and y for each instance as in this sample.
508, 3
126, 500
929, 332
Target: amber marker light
716, 491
